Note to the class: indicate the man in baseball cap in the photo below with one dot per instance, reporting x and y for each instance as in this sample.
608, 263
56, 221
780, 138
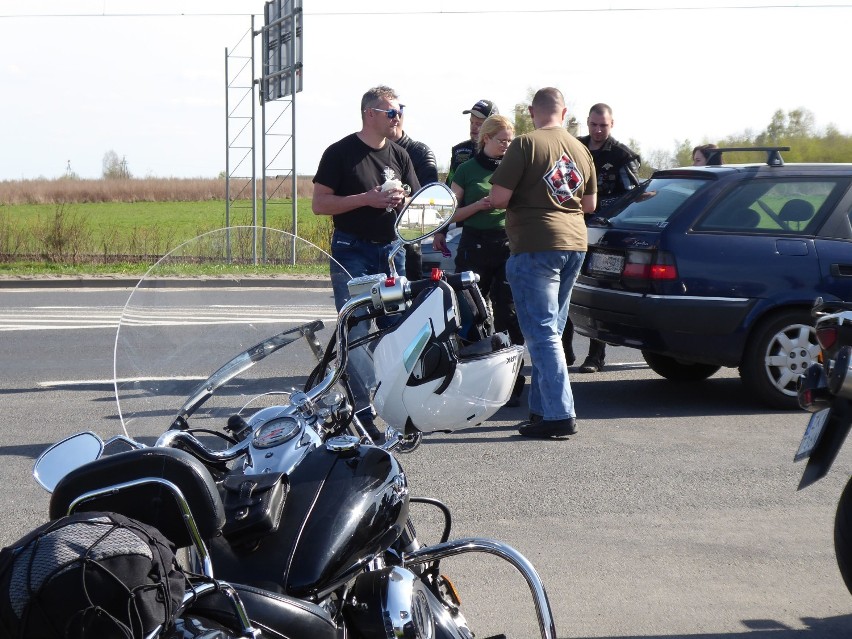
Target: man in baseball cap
463, 151
482, 109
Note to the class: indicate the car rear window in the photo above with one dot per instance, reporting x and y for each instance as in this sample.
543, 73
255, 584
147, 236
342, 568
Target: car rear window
654, 202
772, 205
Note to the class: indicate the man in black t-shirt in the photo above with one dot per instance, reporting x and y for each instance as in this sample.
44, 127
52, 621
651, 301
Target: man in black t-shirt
348, 186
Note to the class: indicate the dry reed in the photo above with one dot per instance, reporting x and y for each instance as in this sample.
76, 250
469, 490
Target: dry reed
71, 191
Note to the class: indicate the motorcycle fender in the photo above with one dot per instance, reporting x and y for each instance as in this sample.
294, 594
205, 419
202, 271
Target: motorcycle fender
830, 443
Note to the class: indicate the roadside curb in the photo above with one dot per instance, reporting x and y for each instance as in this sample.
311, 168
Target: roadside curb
169, 282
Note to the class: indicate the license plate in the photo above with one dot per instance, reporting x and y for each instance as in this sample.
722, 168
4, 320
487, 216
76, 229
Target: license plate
606, 263
813, 432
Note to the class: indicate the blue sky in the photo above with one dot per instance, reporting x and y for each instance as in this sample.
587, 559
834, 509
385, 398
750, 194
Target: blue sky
146, 78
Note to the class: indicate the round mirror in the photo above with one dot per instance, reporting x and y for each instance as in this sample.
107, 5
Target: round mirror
428, 212
63, 457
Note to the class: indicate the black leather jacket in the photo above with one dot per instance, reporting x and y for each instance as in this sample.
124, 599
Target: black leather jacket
617, 166
422, 158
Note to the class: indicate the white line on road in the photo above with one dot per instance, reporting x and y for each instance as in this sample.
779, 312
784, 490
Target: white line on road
83, 317
110, 382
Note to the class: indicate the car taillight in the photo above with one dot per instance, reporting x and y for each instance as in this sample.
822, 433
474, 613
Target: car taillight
644, 265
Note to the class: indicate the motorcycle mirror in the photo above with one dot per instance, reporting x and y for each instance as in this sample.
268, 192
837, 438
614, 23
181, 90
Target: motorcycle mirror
64, 456
428, 212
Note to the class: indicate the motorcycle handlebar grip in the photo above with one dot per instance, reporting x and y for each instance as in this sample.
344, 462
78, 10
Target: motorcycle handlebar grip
419, 286
463, 280
458, 281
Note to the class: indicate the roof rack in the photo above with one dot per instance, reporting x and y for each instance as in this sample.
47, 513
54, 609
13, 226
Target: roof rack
773, 153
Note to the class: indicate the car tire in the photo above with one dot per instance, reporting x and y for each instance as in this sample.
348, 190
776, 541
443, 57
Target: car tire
779, 350
678, 370
843, 535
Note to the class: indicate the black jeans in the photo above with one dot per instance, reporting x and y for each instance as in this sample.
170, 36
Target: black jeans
485, 253
597, 348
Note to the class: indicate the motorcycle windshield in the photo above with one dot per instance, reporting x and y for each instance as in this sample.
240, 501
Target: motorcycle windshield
225, 324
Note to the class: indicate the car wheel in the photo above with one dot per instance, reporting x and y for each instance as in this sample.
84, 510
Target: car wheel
779, 350
678, 370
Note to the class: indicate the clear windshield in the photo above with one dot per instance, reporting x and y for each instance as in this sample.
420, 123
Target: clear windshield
198, 337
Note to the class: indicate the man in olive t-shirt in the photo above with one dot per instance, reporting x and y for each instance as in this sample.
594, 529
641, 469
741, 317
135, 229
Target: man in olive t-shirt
546, 182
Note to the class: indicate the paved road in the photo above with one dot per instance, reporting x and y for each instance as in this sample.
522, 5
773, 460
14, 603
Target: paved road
672, 513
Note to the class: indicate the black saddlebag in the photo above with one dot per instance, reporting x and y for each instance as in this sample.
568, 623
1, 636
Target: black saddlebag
91, 574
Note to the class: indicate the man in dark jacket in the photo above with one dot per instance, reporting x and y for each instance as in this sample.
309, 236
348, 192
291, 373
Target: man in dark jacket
426, 169
463, 151
617, 166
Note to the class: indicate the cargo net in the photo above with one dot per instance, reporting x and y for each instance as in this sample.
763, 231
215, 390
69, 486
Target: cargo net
89, 575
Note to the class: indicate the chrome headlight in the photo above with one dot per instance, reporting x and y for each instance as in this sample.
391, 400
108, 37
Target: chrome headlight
392, 602
421, 616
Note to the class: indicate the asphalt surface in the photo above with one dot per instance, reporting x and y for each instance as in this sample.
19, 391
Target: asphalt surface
672, 513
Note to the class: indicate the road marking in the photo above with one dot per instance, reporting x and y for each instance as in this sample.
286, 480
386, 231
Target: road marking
44, 318
111, 383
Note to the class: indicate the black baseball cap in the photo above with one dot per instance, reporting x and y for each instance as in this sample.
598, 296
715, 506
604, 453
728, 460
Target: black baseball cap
482, 109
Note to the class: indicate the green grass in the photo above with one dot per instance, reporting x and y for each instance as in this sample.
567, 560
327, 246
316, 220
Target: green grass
125, 238
184, 220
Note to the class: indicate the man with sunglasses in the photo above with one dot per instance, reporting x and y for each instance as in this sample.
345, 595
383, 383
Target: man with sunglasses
348, 186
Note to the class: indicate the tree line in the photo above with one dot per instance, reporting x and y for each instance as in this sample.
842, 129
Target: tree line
795, 128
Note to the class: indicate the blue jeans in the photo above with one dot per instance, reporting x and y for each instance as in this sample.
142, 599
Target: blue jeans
541, 285
354, 257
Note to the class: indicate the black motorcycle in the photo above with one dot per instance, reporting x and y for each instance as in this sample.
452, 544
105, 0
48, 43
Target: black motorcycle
288, 518
826, 391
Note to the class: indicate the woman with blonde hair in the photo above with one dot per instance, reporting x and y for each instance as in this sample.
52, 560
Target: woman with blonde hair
484, 247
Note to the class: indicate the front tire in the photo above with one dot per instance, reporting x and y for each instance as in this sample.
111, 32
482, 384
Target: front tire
779, 350
843, 535
677, 370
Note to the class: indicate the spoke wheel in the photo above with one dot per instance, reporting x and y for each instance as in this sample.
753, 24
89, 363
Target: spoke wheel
780, 350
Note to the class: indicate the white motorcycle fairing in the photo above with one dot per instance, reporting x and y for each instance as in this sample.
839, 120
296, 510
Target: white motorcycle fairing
424, 374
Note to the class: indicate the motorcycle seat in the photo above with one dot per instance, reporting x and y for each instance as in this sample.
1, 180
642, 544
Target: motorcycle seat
150, 503
277, 616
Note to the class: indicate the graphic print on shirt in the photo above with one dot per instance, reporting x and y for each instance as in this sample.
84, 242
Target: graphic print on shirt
388, 174
564, 179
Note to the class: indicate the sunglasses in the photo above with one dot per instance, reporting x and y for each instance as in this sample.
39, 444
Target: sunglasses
392, 113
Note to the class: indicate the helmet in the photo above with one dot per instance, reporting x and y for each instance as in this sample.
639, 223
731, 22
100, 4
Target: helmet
426, 377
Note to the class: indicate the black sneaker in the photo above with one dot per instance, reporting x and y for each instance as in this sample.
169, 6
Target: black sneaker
547, 428
591, 366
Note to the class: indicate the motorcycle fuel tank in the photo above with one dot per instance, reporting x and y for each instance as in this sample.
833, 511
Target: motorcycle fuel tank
345, 504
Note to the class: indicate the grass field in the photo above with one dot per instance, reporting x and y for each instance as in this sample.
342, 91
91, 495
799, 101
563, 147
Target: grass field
52, 232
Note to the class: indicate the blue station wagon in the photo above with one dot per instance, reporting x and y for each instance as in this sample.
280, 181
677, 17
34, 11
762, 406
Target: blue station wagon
718, 266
